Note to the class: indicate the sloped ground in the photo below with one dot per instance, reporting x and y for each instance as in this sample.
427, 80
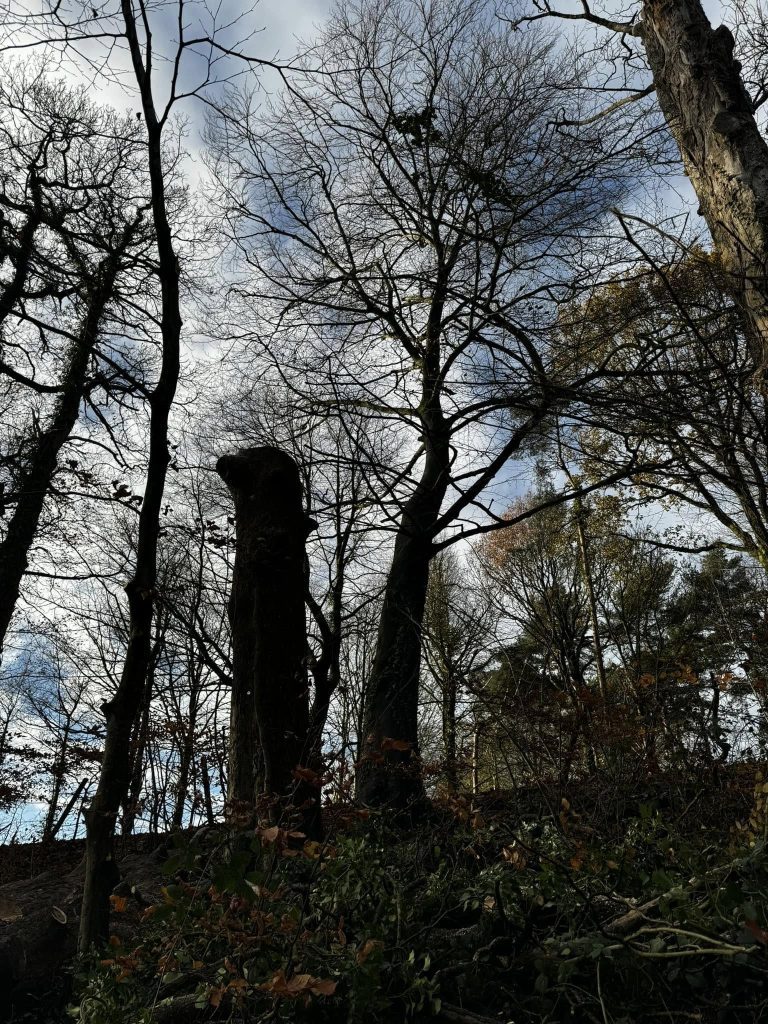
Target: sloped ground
484, 840
40, 891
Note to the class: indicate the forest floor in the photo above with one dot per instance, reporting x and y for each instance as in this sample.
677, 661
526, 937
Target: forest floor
40, 890
612, 905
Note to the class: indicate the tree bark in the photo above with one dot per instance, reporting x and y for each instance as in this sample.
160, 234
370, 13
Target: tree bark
186, 760
476, 760
138, 749
270, 702
710, 114
387, 776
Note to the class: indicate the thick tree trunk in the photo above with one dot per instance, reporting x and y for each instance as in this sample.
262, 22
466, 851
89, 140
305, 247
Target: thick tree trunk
388, 776
476, 760
270, 702
710, 114
139, 741
182, 790
325, 686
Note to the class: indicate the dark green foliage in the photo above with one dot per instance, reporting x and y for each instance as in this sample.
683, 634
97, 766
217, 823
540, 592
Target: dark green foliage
515, 920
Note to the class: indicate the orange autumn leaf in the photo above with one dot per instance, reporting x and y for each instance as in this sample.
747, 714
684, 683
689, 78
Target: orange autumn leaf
215, 996
323, 987
515, 856
312, 849
298, 985
368, 947
119, 903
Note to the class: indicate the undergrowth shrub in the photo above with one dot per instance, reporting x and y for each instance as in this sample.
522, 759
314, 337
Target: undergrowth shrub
541, 920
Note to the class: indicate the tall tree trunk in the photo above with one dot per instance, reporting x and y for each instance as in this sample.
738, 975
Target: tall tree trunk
710, 114
270, 701
65, 813
43, 452
186, 757
476, 759
58, 772
137, 753
206, 783
326, 670
449, 731
5, 730
100, 869
220, 752
585, 561
388, 776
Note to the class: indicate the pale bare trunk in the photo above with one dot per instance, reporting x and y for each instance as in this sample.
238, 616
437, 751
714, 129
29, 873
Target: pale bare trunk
710, 114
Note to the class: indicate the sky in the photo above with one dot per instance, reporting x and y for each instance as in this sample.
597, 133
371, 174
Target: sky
276, 29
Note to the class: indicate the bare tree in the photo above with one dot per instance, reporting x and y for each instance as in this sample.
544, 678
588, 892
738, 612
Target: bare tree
72, 205
409, 216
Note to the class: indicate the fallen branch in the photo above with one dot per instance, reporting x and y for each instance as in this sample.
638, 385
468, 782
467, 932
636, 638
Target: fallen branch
182, 1008
458, 1015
